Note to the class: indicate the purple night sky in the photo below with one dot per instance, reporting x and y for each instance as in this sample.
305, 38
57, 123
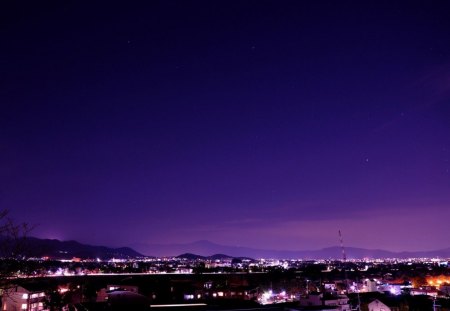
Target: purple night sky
268, 124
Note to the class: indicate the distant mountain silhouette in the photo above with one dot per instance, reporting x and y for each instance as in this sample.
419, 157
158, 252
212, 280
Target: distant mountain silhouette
206, 248
35, 247
191, 256
220, 257
203, 249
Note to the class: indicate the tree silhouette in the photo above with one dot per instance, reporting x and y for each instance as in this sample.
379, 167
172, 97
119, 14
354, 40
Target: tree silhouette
12, 249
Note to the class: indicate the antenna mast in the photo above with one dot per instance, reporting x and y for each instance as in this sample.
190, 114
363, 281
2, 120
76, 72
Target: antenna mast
344, 260
344, 257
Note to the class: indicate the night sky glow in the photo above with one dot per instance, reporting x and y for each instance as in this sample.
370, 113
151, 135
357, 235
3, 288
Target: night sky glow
268, 124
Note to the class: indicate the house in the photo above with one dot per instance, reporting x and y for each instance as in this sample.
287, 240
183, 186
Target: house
26, 297
370, 285
377, 305
102, 295
445, 289
428, 290
126, 300
339, 302
386, 305
313, 299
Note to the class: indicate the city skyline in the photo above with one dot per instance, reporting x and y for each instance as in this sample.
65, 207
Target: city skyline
261, 124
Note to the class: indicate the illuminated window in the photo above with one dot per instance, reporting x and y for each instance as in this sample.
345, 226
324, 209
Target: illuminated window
208, 285
24, 306
25, 296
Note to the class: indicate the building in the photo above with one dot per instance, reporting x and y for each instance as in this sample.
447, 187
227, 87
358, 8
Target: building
102, 295
377, 305
445, 289
339, 302
370, 286
428, 291
29, 297
390, 304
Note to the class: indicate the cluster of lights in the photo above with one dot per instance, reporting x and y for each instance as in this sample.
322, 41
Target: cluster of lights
439, 281
270, 297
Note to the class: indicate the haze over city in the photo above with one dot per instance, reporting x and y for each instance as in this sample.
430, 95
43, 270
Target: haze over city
262, 124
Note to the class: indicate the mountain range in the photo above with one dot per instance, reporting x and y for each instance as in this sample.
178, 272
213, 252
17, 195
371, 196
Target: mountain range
35, 247
205, 249
191, 256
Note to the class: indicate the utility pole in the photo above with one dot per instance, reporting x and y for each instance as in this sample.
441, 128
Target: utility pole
434, 304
